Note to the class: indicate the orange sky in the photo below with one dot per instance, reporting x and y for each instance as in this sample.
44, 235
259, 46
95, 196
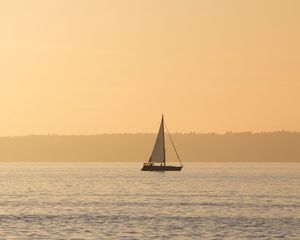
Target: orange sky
87, 67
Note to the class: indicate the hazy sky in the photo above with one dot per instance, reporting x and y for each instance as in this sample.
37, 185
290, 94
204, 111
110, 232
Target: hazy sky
87, 67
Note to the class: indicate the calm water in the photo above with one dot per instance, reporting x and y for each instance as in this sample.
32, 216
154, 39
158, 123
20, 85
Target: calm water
110, 201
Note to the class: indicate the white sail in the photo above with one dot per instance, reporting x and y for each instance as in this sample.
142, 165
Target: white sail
158, 154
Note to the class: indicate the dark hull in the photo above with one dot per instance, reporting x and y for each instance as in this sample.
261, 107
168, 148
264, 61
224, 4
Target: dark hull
161, 168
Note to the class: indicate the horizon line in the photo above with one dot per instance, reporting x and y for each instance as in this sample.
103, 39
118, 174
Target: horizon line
149, 133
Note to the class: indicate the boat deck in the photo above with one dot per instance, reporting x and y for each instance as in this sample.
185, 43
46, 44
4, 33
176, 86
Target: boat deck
161, 168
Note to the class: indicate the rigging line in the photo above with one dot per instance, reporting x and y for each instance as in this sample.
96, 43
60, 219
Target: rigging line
173, 144
164, 147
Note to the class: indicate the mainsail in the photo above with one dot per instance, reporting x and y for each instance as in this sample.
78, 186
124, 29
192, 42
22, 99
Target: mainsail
158, 154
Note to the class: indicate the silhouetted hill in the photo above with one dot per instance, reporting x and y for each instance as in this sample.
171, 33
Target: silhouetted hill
235, 147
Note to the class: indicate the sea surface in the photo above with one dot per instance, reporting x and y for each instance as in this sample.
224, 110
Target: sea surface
118, 201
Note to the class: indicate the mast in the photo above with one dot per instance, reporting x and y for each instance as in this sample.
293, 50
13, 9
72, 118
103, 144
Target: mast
163, 128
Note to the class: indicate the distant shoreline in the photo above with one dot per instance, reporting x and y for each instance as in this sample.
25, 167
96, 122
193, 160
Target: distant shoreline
280, 146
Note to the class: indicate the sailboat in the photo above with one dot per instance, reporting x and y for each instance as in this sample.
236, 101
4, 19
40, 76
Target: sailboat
157, 161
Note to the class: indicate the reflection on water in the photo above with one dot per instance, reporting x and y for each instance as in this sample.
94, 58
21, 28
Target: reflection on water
118, 201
